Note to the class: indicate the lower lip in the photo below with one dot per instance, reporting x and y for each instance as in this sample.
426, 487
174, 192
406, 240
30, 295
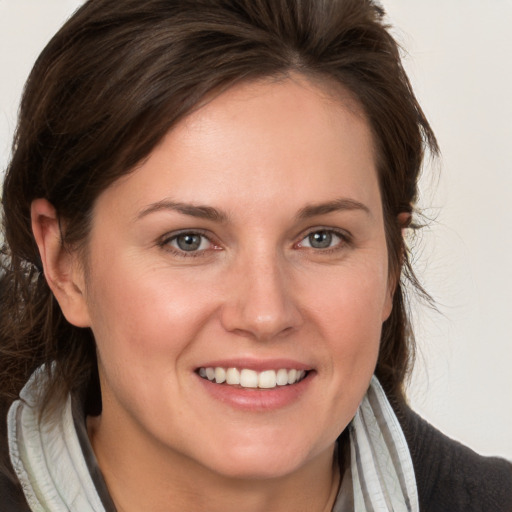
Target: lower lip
256, 399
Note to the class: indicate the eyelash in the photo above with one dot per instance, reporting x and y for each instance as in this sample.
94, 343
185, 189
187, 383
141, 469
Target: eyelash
345, 239
165, 243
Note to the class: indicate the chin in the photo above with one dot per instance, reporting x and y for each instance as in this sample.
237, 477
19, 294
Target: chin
249, 467
259, 461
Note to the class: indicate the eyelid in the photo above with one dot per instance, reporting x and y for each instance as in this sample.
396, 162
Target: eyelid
345, 237
165, 242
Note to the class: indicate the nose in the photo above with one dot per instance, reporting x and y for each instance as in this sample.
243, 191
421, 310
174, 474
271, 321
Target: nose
261, 301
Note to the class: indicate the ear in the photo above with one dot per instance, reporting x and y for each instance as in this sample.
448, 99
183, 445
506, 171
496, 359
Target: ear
404, 220
62, 268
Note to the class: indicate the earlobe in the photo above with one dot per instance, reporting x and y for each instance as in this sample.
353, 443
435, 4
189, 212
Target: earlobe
61, 267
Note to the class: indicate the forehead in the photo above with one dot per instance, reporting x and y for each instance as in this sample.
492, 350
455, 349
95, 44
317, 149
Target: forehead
262, 142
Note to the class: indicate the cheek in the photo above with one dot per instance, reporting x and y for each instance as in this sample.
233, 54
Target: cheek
347, 316
349, 312
145, 323
143, 313
354, 298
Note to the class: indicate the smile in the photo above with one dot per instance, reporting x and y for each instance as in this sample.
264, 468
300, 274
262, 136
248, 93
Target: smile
247, 378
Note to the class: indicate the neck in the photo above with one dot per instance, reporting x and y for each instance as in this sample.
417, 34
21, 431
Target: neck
154, 479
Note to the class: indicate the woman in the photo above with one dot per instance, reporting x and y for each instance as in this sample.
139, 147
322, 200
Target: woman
203, 219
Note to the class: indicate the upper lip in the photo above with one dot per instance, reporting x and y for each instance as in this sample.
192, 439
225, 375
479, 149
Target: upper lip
258, 365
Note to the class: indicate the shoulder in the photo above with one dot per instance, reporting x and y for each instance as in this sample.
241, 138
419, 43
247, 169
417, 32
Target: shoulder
11, 494
452, 477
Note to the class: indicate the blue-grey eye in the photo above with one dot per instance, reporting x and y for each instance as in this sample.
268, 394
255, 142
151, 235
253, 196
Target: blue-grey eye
189, 241
322, 239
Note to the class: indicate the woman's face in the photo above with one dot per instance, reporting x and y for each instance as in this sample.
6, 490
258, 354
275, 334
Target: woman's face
249, 246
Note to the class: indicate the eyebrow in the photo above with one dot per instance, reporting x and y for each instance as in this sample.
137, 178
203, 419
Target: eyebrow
199, 211
336, 205
213, 214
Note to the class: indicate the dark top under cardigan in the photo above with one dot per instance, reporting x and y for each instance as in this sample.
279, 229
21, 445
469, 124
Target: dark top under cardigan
450, 477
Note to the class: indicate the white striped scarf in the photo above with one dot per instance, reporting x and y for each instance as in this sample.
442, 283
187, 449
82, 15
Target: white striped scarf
50, 463
381, 465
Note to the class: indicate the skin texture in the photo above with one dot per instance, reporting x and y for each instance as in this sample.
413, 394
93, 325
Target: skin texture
261, 154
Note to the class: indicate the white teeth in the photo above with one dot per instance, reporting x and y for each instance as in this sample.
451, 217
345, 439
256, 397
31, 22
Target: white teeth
282, 377
220, 375
232, 376
267, 379
246, 378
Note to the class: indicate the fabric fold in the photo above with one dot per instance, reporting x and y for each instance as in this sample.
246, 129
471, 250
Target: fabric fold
47, 456
381, 464
49, 460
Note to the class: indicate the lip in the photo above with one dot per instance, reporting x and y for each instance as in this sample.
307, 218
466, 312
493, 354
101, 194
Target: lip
256, 399
258, 365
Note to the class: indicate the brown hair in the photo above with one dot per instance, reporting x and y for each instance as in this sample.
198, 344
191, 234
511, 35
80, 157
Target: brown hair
118, 76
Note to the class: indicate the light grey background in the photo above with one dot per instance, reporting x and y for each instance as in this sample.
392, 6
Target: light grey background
459, 60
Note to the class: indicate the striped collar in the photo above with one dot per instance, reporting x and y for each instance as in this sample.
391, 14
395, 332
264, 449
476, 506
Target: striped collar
58, 471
